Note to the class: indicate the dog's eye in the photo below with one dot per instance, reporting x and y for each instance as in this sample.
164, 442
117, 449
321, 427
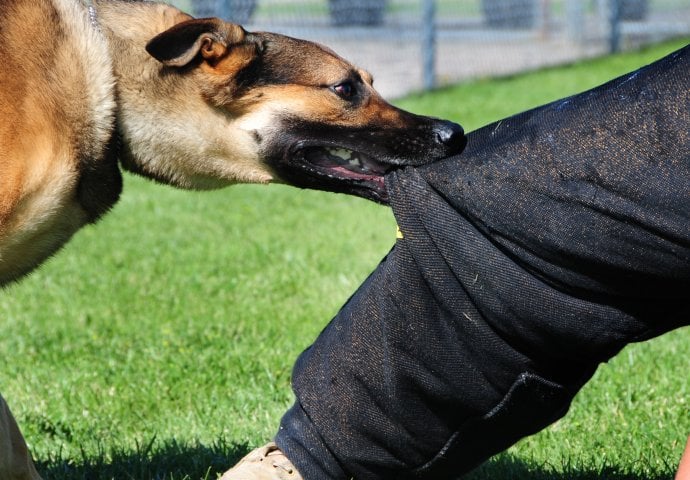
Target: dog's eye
345, 90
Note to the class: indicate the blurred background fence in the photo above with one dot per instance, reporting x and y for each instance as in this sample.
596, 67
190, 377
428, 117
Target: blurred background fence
411, 45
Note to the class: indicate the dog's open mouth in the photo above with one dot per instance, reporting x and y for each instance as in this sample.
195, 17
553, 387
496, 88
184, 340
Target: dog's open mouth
345, 164
346, 170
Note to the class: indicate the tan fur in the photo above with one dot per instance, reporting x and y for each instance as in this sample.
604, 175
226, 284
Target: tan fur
57, 105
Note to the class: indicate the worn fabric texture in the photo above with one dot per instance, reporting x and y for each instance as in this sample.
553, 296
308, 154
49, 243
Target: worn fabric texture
559, 236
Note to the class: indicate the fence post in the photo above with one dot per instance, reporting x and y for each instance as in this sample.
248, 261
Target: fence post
575, 18
429, 44
614, 26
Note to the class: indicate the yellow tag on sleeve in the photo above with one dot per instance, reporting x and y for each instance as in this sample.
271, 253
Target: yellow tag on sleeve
398, 232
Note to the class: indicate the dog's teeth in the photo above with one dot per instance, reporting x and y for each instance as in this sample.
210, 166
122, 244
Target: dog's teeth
348, 157
354, 160
341, 153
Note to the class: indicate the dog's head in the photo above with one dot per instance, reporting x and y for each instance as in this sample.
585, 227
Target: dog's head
315, 119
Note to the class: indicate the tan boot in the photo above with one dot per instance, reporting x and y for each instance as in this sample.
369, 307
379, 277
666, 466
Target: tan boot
263, 463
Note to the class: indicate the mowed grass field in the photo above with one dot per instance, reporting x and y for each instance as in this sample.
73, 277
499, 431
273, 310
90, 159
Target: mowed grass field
158, 344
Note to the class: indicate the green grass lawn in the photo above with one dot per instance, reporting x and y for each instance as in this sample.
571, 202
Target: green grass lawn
158, 344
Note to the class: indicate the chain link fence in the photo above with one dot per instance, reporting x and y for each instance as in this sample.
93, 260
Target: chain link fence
411, 45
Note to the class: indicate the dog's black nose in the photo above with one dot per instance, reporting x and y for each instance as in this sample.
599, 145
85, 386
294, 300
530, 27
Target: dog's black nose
450, 134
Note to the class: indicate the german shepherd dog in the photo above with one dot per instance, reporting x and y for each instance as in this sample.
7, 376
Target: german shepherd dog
194, 103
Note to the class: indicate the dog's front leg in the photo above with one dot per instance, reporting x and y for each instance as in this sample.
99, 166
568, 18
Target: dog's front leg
15, 461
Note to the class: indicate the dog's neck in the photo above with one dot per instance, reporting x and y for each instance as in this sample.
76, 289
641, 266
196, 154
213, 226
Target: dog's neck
169, 132
119, 23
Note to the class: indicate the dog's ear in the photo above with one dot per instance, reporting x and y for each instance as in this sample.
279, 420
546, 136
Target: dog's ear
209, 37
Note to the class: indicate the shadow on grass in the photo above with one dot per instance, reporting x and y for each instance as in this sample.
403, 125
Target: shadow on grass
168, 460
507, 467
173, 461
